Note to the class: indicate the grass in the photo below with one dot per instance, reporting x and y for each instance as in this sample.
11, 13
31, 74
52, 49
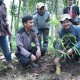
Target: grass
13, 43
42, 73
2, 66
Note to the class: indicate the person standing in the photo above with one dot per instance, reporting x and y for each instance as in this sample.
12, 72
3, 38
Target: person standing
4, 32
41, 19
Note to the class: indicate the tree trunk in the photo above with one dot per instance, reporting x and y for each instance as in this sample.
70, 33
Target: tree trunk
18, 15
11, 29
27, 9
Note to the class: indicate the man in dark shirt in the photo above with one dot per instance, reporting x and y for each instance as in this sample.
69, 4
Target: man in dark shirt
24, 38
73, 10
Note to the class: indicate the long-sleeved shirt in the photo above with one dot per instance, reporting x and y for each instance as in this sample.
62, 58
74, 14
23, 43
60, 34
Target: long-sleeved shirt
41, 21
74, 30
4, 28
24, 40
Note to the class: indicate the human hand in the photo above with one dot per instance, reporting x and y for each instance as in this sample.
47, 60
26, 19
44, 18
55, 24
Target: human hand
70, 51
38, 53
33, 58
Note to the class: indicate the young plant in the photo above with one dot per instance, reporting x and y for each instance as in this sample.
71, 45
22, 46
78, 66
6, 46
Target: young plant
61, 45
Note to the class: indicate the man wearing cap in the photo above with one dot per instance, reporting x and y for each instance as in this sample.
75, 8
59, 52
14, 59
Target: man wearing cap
68, 27
41, 19
73, 10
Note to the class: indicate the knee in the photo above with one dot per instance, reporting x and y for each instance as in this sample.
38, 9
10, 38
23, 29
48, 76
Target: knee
22, 59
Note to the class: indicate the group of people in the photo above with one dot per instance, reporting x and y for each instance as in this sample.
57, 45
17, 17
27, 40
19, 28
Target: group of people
34, 28
26, 53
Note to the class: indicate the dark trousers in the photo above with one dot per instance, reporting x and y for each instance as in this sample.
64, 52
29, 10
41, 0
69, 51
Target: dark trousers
27, 60
43, 32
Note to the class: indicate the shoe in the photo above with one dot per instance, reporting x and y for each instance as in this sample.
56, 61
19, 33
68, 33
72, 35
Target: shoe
43, 51
54, 69
34, 65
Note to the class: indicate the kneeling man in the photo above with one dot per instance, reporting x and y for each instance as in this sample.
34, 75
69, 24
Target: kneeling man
25, 53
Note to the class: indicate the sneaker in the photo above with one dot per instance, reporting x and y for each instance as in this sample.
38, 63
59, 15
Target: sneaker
53, 70
34, 65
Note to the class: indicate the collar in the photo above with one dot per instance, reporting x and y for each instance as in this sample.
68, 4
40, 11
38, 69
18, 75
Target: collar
68, 30
27, 32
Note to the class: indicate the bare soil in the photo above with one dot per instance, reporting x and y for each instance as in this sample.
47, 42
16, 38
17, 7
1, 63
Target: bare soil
70, 71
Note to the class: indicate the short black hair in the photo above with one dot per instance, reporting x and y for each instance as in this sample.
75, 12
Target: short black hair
1, 2
26, 18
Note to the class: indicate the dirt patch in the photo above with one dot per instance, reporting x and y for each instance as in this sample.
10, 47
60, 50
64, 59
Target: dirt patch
70, 71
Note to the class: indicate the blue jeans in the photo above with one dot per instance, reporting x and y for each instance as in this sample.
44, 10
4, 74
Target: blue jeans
5, 48
44, 32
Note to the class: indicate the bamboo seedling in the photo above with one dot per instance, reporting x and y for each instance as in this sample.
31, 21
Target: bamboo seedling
67, 42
